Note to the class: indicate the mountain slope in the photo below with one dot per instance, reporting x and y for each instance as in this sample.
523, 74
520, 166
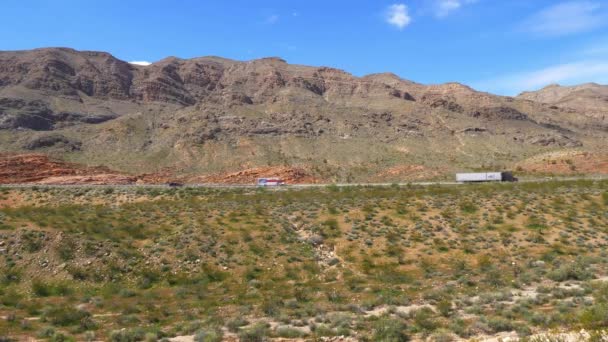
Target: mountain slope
589, 99
210, 116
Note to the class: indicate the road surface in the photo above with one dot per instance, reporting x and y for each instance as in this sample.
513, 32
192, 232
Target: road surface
292, 186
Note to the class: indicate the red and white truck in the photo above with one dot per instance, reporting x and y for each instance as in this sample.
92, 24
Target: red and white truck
270, 182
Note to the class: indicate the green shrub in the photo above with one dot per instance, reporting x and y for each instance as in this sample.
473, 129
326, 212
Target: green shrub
571, 271
287, 332
498, 324
9, 275
442, 336
468, 207
208, 335
127, 335
148, 278
445, 307
330, 228
66, 249
536, 223
43, 288
65, 315
235, 324
10, 297
595, 317
81, 273
60, 337
46, 332
32, 241
256, 333
389, 330
424, 320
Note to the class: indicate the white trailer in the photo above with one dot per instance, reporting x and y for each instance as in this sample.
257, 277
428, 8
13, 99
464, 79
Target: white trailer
485, 177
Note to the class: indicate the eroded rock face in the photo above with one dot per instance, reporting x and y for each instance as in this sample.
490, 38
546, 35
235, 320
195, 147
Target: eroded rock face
209, 83
501, 113
38, 116
53, 140
290, 175
19, 113
554, 140
180, 107
64, 72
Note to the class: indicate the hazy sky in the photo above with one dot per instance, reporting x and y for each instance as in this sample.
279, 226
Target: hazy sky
502, 46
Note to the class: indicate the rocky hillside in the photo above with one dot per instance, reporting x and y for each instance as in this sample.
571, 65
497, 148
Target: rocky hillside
588, 99
212, 116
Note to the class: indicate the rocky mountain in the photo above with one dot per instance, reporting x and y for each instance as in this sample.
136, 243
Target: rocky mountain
212, 116
587, 99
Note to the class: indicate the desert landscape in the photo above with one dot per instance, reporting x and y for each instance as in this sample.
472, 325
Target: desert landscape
444, 263
304, 171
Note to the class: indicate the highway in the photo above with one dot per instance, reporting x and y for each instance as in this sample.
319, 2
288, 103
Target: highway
294, 186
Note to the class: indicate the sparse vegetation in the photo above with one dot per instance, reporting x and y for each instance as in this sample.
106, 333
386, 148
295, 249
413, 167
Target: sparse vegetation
379, 264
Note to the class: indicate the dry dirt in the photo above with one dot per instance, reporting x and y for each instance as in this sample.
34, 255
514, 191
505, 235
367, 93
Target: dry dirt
409, 172
566, 163
291, 175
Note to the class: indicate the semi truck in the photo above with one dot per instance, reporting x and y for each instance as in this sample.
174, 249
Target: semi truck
477, 177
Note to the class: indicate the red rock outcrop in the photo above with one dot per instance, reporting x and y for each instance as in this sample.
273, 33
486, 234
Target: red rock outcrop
40, 169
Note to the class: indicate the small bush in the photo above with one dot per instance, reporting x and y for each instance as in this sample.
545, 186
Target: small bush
208, 335
32, 241
46, 332
257, 333
595, 317
445, 307
65, 316
287, 332
9, 275
235, 324
66, 249
59, 337
498, 324
424, 320
468, 207
127, 335
390, 330
46, 289
570, 271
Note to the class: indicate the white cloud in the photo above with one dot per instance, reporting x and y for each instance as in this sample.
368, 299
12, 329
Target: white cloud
566, 18
272, 19
398, 16
443, 8
144, 63
566, 74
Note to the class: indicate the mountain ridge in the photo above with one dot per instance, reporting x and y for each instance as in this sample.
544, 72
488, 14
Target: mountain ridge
212, 115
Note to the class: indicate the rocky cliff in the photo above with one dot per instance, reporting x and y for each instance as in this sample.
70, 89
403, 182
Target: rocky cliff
210, 115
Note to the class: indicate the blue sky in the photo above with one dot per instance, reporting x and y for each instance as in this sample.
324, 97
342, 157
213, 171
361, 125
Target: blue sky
501, 46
